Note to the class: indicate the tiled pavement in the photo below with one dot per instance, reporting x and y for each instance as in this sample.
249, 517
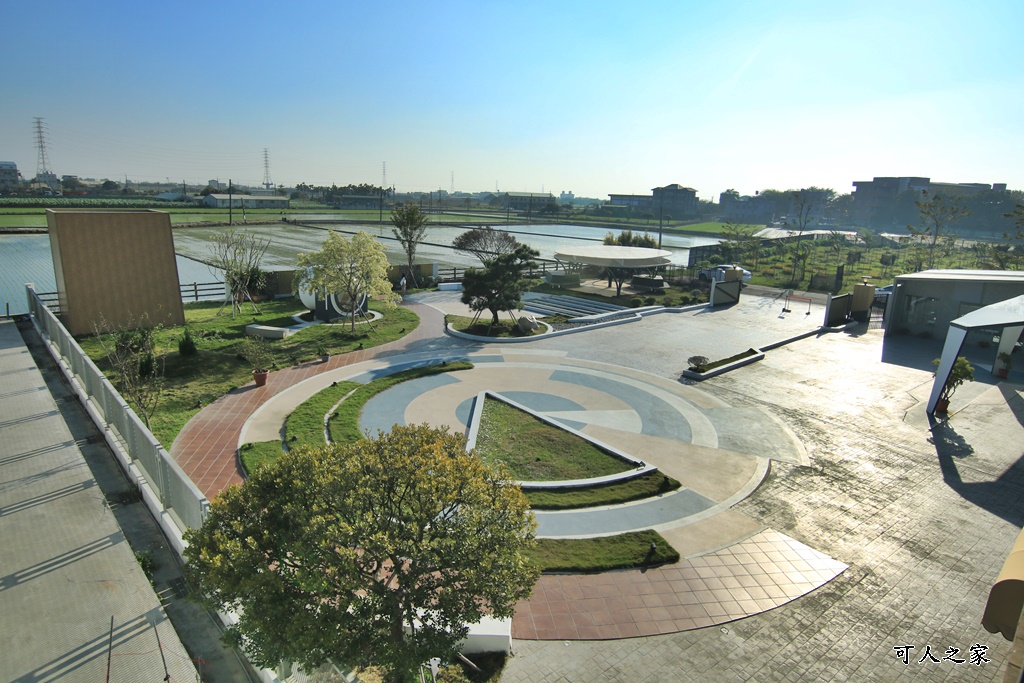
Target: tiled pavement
206, 447
752, 576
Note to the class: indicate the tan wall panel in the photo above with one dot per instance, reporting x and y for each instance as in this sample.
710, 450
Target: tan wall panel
115, 266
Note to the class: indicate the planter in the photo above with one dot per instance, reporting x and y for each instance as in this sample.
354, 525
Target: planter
942, 405
1002, 373
326, 357
260, 377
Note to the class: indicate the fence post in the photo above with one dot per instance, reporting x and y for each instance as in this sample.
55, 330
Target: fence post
195, 291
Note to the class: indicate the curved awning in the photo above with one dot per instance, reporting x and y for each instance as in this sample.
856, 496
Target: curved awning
1005, 600
613, 256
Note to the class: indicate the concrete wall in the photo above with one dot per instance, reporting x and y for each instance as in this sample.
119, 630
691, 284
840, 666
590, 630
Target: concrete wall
114, 266
926, 306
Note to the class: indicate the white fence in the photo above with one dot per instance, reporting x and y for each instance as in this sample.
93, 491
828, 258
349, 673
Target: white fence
173, 493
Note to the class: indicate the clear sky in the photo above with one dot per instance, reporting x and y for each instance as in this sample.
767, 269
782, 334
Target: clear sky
593, 97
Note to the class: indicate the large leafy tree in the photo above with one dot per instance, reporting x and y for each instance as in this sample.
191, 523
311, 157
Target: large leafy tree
485, 243
936, 214
500, 284
352, 266
378, 552
410, 225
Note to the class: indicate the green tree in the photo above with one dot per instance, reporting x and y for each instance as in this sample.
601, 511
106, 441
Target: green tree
378, 552
627, 238
353, 266
935, 216
738, 238
110, 186
485, 243
410, 227
500, 284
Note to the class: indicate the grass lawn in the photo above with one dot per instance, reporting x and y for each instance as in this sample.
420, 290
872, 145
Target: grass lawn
193, 381
343, 426
651, 484
625, 551
257, 454
533, 450
305, 426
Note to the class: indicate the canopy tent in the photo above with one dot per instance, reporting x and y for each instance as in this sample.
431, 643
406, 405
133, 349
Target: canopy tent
1006, 315
614, 256
620, 261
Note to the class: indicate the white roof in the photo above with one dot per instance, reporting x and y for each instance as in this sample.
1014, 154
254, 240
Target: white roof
1001, 314
971, 275
614, 256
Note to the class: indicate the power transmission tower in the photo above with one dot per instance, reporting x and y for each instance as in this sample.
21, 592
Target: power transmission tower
42, 162
267, 185
383, 174
453, 182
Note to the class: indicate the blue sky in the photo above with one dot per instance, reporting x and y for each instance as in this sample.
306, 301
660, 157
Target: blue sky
593, 97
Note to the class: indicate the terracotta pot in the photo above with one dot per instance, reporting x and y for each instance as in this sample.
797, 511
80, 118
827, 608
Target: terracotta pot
1002, 373
942, 405
260, 378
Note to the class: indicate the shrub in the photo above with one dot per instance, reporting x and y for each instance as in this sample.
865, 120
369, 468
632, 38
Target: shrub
187, 345
649, 301
636, 302
697, 363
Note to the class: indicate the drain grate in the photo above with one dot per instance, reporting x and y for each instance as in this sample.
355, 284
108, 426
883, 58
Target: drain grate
119, 498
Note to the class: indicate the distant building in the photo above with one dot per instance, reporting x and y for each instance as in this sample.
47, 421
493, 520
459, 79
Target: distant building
566, 198
526, 201
247, 201
873, 198
672, 200
48, 180
738, 208
10, 179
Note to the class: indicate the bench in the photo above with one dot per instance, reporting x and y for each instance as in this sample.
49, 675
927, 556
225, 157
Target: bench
267, 332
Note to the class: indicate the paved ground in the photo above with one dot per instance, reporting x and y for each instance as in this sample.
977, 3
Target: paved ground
923, 519
66, 569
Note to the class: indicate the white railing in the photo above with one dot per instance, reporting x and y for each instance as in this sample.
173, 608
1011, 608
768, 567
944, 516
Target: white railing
173, 493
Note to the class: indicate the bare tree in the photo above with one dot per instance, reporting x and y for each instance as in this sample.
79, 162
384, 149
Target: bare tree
485, 243
936, 216
131, 352
239, 254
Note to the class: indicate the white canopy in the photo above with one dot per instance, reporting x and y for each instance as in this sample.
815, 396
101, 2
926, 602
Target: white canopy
613, 256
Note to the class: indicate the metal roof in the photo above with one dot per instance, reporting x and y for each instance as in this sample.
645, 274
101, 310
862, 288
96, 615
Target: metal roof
1006, 313
968, 275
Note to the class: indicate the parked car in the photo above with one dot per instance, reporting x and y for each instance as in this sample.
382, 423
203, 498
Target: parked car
717, 273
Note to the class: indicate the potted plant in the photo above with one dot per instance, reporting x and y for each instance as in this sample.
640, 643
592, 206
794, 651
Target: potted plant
1005, 364
257, 352
322, 351
962, 371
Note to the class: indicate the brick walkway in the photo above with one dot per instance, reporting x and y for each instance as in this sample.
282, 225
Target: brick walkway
206, 448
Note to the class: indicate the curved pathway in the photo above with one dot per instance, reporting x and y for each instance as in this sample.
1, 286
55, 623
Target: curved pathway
206, 448
733, 567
